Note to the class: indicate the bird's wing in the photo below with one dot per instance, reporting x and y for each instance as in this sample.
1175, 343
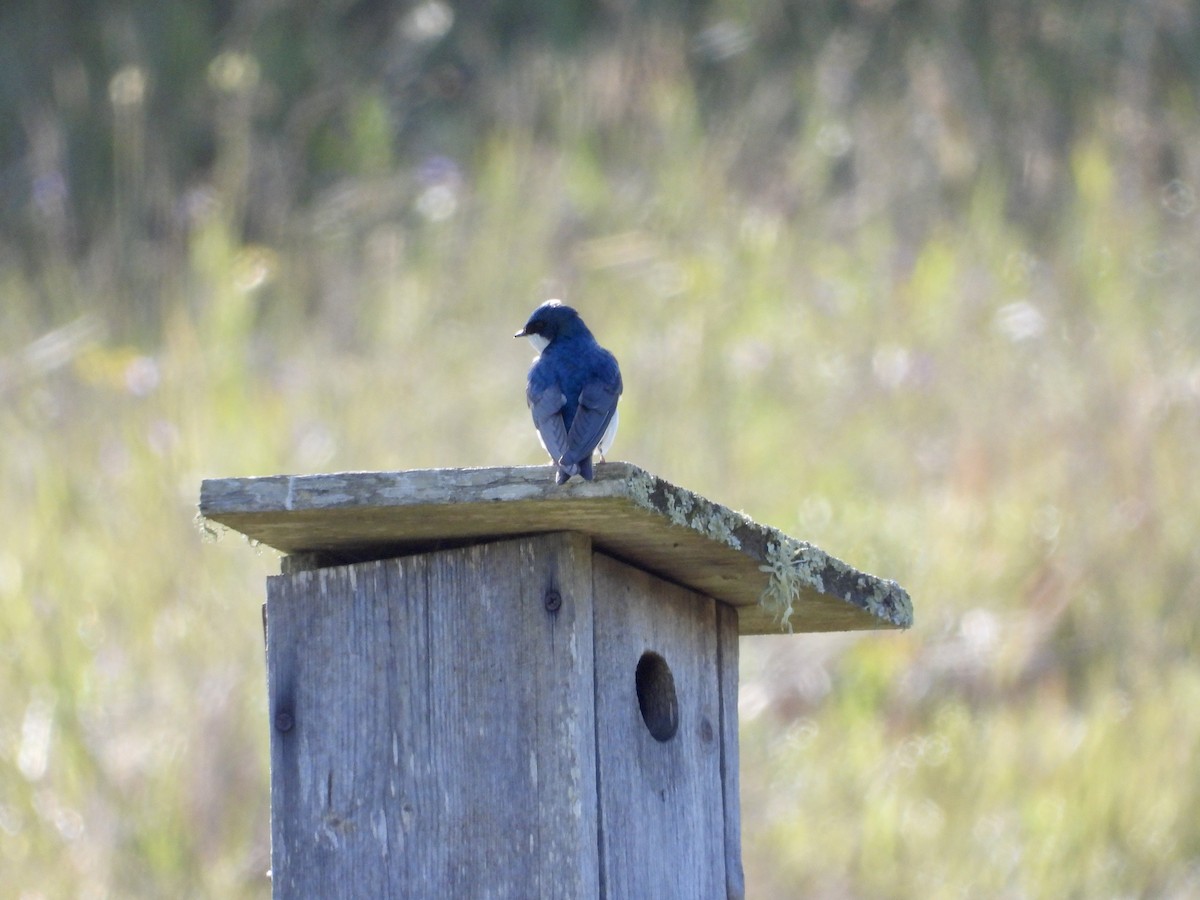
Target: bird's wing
546, 405
597, 403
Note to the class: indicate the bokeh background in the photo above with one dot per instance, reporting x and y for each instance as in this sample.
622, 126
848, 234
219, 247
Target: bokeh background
914, 281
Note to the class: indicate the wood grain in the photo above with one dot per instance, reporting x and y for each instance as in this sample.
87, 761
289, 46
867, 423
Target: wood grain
433, 725
662, 807
628, 513
727, 672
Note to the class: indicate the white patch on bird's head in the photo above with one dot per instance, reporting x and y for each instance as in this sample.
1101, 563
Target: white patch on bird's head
539, 342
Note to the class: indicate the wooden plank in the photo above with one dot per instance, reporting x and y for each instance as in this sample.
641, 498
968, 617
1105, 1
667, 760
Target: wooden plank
662, 809
727, 673
627, 512
433, 725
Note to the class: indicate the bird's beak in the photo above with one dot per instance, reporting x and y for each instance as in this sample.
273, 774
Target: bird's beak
520, 333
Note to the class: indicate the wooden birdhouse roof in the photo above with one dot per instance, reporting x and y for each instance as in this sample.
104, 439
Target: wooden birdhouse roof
776, 582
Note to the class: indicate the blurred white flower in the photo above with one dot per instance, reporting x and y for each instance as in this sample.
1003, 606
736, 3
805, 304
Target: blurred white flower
1019, 321
428, 21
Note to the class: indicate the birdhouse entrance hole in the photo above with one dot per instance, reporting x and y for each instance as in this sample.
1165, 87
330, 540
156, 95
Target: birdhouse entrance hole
656, 696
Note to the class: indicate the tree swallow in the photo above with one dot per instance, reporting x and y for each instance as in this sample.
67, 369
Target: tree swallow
572, 390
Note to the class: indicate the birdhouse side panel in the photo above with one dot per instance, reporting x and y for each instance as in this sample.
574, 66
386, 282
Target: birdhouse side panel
660, 715
432, 724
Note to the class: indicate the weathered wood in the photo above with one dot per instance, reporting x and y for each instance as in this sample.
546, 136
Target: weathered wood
727, 672
662, 810
433, 725
485, 684
627, 512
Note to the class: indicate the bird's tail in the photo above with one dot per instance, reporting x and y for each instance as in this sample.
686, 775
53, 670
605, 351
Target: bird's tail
583, 468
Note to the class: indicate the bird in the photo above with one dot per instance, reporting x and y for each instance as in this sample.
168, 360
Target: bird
572, 390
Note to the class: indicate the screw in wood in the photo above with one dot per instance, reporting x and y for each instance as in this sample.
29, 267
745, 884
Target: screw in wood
553, 600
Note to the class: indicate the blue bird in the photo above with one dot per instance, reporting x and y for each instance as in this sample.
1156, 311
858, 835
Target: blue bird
572, 391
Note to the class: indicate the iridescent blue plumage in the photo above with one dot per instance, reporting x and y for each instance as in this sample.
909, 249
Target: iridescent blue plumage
572, 391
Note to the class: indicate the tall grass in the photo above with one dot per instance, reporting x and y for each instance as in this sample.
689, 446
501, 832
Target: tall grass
1008, 426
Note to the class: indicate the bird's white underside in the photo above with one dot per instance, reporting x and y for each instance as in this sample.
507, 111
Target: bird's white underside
610, 433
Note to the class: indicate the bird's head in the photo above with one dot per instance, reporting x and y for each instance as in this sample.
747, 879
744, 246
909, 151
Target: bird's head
550, 321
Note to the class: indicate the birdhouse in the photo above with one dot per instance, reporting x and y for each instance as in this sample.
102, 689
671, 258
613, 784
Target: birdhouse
484, 684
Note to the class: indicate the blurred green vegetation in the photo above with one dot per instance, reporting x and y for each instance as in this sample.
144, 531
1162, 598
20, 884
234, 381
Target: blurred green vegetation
915, 282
